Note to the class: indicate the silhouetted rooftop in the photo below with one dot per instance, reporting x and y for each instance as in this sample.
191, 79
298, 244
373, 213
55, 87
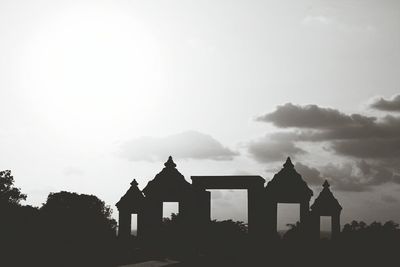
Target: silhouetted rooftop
326, 202
132, 199
168, 182
288, 185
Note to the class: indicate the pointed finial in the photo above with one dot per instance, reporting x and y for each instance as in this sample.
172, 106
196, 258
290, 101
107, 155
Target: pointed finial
134, 183
170, 163
326, 184
288, 163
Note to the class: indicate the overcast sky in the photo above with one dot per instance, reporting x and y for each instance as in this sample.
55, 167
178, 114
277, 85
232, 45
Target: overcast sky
96, 93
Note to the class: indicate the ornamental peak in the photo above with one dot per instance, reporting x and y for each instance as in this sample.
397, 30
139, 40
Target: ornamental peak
170, 163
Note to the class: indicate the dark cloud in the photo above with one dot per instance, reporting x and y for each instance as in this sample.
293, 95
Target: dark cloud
310, 116
268, 149
389, 199
377, 172
362, 128
354, 176
392, 104
189, 144
376, 148
353, 135
342, 177
311, 175
370, 145
396, 176
345, 177
316, 123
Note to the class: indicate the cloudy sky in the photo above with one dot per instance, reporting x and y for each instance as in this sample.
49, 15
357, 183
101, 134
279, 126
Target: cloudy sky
96, 93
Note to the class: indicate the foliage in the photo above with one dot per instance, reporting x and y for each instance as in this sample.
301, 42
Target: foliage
77, 228
9, 195
360, 231
294, 232
78, 214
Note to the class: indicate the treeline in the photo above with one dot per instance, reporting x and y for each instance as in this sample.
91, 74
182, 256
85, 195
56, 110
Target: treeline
360, 231
355, 232
69, 229
227, 243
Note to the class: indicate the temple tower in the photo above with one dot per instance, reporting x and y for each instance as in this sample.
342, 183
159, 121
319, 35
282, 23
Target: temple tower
326, 205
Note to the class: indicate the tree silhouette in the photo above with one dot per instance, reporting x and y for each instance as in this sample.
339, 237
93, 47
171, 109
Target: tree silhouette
294, 232
377, 238
9, 195
87, 211
77, 228
18, 224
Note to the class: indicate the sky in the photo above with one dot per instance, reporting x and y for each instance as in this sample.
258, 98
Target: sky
95, 94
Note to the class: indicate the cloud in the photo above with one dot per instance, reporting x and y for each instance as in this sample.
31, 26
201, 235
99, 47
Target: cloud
317, 19
353, 135
73, 171
369, 145
389, 199
350, 177
375, 148
185, 145
362, 127
345, 177
311, 175
327, 21
268, 149
392, 104
310, 116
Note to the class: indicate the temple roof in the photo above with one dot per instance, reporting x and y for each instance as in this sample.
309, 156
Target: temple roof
133, 198
326, 202
169, 183
288, 185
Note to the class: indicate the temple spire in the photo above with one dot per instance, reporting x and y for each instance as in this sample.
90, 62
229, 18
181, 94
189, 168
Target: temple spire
134, 183
288, 163
170, 163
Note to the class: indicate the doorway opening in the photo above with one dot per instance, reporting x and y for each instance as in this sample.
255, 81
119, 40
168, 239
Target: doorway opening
287, 217
170, 209
229, 205
134, 224
325, 227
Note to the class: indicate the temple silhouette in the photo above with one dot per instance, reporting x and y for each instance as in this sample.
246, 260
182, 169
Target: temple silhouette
72, 229
287, 186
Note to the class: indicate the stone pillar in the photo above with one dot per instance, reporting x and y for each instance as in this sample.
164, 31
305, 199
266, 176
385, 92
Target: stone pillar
256, 212
251, 210
335, 225
151, 220
304, 212
202, 207
206, 206
124, 225
140, 223
316, 226
306, 222
202, 217
271, 217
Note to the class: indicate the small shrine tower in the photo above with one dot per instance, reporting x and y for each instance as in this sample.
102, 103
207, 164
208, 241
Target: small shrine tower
326, 205
130, 203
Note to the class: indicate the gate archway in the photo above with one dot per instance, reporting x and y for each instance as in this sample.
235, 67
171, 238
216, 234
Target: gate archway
253, 184
287, 186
